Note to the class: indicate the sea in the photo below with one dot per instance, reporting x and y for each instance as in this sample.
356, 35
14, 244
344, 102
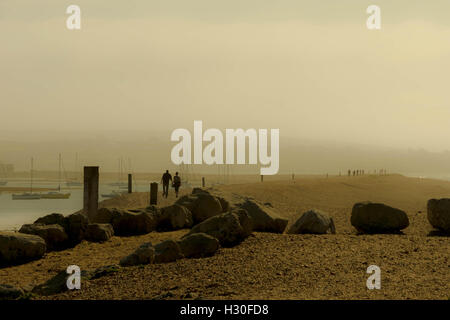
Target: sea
15, 213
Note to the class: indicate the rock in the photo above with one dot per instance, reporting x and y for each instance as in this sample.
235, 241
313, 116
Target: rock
229, 228
313, 221
197, 190
101, 272
54, 235
265, 219
8, 292
202, 205
368, 217
17, 248
438, 214
128, 222
99, 232
77, 224
198, 245
145, 254
167, 251
224, 204
174, 217
54, 218
55, 285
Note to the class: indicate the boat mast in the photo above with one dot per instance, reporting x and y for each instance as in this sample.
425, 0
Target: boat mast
31, 176
59, 174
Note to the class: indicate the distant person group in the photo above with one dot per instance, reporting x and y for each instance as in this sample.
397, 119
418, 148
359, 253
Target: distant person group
382, 172
176, 183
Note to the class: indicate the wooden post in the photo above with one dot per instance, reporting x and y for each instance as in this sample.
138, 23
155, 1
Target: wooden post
130, 183
90, 196
153, 193
203, 182
262, 178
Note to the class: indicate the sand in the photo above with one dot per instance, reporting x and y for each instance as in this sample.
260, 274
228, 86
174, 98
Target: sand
414, 265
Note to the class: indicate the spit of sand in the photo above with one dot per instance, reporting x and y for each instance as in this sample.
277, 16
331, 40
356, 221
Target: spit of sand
414, 265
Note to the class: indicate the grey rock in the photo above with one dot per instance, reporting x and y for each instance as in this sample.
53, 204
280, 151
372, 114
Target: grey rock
198, 245
99, 232
314, 222
167, 251
54, 235
229, 228
368, 217
17, 248
438, 214
264, 218
145, 254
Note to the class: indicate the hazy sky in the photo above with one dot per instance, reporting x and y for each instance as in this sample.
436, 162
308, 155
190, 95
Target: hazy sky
310, 68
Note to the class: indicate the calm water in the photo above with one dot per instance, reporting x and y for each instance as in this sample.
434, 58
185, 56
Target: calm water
15, 213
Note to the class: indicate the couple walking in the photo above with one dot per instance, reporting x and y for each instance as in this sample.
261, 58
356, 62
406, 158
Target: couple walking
176, 183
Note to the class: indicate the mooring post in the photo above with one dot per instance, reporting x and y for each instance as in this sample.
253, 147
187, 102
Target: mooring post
130, 183
90, 196
203, 182
153, 193
262, 178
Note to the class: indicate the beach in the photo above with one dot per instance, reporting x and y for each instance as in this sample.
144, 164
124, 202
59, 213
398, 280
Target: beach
414, 265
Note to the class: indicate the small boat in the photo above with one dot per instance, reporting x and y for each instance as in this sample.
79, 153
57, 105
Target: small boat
28, 195
113, 194
74, 184
56, 194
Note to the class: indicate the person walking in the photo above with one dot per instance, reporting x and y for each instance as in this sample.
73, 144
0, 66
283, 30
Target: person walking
176, 183
166, 178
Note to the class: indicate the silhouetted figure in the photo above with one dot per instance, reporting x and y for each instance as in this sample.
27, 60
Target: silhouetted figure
166, 178
354, 172
349, 172
176, 183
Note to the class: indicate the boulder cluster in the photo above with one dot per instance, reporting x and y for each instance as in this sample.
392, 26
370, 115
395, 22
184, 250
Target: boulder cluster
213, 222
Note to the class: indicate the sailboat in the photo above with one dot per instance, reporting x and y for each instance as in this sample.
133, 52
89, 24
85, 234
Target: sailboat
113, 194
28, 195
56, 194
74, 182
119, 183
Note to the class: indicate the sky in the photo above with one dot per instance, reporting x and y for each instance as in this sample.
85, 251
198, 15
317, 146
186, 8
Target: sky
310, 68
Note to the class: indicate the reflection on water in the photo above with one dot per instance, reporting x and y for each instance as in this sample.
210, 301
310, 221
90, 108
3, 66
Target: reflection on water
15, 213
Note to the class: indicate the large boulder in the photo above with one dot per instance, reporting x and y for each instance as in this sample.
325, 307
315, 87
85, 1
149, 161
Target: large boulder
174, 217
438, 214
8, 292
17, 248
53, 218
54, 285
264, 218
202, 205
368, 217
99, 232
54, 235
167, 251
313, 221
145, 254
229, 228
128, 222
77, 224
198, 245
